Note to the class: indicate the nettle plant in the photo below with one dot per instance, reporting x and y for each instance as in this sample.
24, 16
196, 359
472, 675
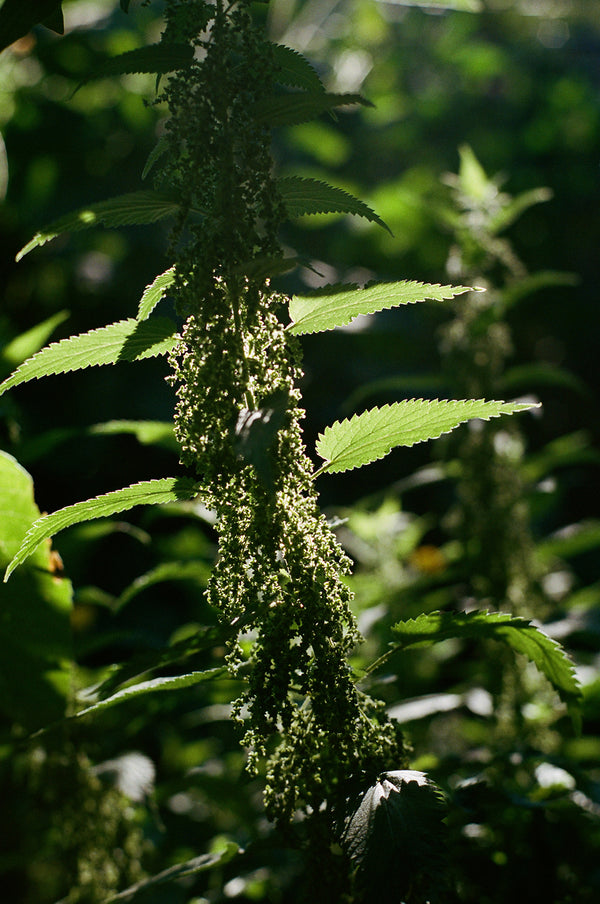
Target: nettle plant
327, 750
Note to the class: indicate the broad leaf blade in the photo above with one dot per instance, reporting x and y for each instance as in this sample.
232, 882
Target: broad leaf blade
518, 633
310, 196
371, 435
133, 209
126, 340
148, 492
300, 106
35, 634
154, 293
294, 70
396, 839
314, 313
153, 686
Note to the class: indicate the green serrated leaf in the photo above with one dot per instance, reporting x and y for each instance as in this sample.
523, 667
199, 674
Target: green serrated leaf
159, 149
148, 492
293, 108
326, 310
294, 70
126, 340
153, 686
160, 58
133, 209
518, 633
371, 435
398, 821
154, 293
310, 196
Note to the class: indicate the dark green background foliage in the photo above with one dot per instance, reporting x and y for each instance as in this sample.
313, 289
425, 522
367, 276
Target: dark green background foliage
160, 781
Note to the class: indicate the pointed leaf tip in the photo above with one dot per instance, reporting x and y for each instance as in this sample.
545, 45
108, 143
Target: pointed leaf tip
369, 436
147, 492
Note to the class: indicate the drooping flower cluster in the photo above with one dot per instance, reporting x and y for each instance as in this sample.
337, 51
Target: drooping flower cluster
279, 571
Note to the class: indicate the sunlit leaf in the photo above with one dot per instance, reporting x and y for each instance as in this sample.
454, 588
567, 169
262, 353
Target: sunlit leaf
154, 293
310, 196
127, 340
148, 492
153, 686
133, 209
518, 633
35, 634
371, 435
337, 307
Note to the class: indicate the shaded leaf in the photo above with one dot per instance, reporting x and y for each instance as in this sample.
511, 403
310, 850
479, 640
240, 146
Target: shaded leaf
396, 839
126, 340
160, 58
133, 209
159, 149
194, 570
310, 196
371, 435
518, 633
154, 293
153, 686
294, 70
511, 211
256, 434
293, 108
18, 18
535, 282
326, 310
179, 871
148, 492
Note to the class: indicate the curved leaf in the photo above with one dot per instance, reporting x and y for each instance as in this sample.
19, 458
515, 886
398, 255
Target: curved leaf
152, 686
160, 148
371, 435
148, 492
294, 70
518, 633
18, 18
314, 313
293, 108
154, 293
133, 209
310, 196
126, 340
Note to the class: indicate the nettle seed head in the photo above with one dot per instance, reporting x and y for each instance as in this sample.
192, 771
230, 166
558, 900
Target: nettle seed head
278, 577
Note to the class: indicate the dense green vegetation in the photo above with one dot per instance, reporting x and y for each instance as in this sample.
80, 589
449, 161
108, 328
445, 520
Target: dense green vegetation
204, 697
